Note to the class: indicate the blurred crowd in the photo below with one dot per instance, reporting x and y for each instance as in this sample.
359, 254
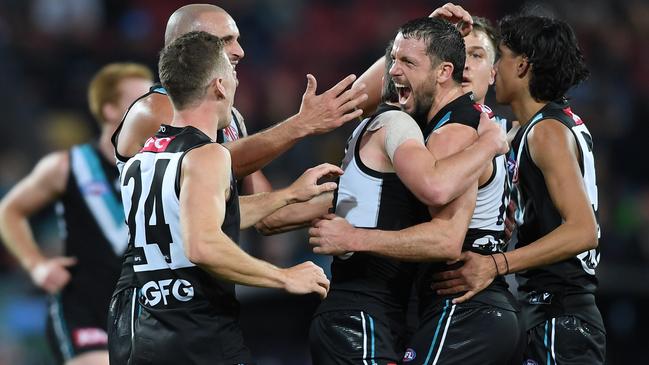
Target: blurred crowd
50, 49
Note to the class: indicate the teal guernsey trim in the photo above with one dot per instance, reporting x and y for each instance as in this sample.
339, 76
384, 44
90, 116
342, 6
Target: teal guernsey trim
545, 343
443, 121
160, 89
372, 334
65, 333
439, 325
98, 174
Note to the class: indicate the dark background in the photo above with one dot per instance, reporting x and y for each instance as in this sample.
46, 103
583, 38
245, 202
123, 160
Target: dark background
50, 49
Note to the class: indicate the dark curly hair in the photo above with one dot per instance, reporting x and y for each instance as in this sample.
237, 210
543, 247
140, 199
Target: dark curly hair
551, 48
443, 42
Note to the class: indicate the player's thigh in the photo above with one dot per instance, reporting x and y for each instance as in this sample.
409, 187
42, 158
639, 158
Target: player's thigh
121, 315
470, 333
90, 358
352, 337
565, 340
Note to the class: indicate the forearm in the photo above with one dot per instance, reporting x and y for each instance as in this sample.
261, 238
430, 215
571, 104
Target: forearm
255, 207
423, 242
252, 153
373, 79
566, 241
18, 238
225, 260
296, 215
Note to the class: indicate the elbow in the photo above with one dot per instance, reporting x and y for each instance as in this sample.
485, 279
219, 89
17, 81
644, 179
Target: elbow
454, 242
437, 194
453, 250
196, 253
591, 239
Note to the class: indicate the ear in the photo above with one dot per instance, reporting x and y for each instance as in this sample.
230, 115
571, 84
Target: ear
522, 66
217, 88
445, 72
110, 112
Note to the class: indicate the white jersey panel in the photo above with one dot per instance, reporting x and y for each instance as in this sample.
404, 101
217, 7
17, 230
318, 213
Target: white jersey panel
141, 170
359, 194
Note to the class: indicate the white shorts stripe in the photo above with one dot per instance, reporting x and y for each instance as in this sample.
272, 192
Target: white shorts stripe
441, 342
364, 339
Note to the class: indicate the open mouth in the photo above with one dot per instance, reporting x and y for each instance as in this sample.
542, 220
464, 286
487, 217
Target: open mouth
404, 94
466, 81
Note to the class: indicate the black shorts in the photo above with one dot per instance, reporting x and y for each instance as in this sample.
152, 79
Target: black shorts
136, 337
467, 333
353, 337
565, 340
122, 311
75, 326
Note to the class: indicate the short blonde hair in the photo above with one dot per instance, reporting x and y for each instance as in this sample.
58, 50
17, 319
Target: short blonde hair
103, 87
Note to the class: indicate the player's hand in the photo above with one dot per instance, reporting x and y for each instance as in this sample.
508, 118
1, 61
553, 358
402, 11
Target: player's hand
331, 109
456, 15
51, 274
306, 278
516, 125
332, 235
476, 274
494, 133
510, 221
306, 186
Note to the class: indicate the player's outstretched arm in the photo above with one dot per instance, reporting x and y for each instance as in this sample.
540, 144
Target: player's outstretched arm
553, 149
203, 195
295, 216
258, 206
40, 188
318, 114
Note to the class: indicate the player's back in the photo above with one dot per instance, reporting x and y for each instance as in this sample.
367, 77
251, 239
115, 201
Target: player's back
187, 316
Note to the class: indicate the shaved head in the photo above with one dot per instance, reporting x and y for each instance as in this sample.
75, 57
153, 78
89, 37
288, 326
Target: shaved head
190, 18
206, 18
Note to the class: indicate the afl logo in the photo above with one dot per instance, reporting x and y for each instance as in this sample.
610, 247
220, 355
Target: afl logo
409, 355
95, 188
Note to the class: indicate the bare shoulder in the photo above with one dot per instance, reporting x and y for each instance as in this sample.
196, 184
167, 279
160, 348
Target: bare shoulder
547, 132
51, 172
142, 121
393, 118
211, 157
551, 142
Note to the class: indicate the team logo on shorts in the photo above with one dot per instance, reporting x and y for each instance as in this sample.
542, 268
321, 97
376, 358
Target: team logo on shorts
530, 362
409, 355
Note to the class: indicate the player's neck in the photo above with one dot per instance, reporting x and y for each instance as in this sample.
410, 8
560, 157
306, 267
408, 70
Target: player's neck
202, 117
443, 98
525, 108
105, 144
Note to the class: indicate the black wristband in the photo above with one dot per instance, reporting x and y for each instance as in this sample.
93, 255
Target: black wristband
506, 262
495, 264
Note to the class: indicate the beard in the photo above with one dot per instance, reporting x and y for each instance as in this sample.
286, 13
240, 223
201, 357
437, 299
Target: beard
422, 105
